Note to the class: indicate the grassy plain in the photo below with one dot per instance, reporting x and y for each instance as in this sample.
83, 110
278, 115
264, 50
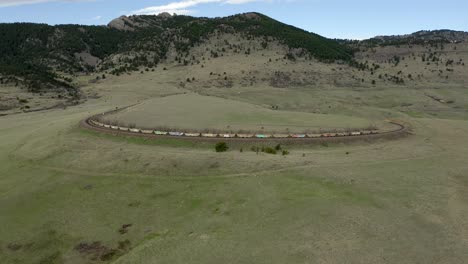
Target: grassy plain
196, 112
70, 196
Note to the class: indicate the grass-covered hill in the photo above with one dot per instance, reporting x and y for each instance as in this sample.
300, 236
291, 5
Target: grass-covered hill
42, 56
423, 37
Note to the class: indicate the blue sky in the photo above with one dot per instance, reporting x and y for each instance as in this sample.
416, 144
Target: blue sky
332, 18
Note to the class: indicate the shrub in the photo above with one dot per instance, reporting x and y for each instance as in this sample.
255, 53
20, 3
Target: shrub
278, 147
285, 152
221, 147
269, 150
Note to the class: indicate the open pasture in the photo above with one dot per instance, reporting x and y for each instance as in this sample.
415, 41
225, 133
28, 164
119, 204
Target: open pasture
191, 112
68, 195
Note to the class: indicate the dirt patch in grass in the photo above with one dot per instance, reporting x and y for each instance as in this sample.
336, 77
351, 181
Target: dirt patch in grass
95, 250
124, 229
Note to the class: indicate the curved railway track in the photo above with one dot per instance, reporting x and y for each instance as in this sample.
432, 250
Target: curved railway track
91, 123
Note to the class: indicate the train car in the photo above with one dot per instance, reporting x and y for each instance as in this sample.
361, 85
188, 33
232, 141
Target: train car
107, 126
176, 134
124, 128
299, 136
192, 134
135, 130
160, 133
115, 127
314, 135
245, 135
355, 133
281, 135
209, 135
147, 131
260, 136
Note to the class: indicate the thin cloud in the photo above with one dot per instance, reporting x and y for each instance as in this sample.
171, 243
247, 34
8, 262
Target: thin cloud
182, 7
7, 3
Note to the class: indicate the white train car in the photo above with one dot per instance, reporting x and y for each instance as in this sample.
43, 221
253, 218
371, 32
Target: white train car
245, 135
135, 130
299, 136
94, 122
176, 134
144, 131
115, 127
281, 136
160, 133
192, 134
124, 128
209, 135
355, 133
229, 135
107, 126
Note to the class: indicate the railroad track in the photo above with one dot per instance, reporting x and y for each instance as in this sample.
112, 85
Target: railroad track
92, 123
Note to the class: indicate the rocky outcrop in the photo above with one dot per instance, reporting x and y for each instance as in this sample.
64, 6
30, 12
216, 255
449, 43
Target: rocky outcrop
165, 15
122, 23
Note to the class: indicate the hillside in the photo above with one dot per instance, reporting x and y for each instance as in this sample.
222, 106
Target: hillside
41, 57
444, 36
45, 66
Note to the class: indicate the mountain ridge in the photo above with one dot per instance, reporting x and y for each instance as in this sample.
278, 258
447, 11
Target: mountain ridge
40, 56
37, 52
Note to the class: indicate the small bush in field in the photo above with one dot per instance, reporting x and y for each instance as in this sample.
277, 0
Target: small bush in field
221, 147
269, 150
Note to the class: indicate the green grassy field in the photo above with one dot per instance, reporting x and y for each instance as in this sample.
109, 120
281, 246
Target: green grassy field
195, 112
72, 196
